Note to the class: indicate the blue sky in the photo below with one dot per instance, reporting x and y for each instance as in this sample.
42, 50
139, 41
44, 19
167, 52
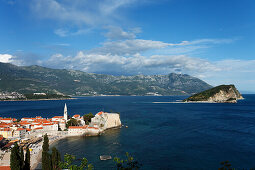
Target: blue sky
211, 40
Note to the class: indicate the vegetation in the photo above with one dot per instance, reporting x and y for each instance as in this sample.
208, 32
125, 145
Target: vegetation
50, 161
225, 166
205, 95
128, 164
87, 118
47, 96
17, 158
72, 122
68, 163
27, 159
55, 158
46, 163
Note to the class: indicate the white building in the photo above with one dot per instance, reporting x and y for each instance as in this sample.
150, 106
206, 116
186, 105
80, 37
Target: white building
77, 130
105, 120
19, 133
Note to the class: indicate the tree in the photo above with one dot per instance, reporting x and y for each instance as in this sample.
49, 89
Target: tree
15, 158
226, 165
46, 161
55, 158
87, 118
27, 159
68, 160
21, 158
128, 164
72, 122
45, 146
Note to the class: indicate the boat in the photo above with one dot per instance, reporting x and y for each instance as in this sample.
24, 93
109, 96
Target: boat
105, 157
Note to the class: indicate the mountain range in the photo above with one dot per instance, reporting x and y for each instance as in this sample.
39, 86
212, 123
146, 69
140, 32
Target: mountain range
32, 79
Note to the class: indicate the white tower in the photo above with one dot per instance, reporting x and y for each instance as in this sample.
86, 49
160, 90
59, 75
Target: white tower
65, 113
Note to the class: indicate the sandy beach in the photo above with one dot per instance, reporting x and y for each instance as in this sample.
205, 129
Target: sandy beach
36, 157
35, 154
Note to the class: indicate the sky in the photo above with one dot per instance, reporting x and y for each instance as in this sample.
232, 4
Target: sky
213, 40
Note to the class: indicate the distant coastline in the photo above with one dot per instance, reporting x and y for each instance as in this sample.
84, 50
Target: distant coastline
72, 98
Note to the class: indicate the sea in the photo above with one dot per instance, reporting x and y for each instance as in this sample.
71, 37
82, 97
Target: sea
160, 132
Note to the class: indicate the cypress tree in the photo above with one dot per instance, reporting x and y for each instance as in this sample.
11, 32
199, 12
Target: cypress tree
55, 158
45, 143
15, 158
46, 161
27, 159
21, 157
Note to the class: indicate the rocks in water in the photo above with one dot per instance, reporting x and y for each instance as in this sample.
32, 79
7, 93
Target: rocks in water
105, 157
219, 94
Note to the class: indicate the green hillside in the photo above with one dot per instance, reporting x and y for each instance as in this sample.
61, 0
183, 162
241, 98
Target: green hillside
30, 79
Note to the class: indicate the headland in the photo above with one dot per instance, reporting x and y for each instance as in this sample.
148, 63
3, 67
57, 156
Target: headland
29, 132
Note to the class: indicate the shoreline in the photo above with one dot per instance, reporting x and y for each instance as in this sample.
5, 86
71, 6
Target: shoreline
38, 99
38, 157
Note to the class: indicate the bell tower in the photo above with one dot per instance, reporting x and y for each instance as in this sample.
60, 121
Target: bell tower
65, 113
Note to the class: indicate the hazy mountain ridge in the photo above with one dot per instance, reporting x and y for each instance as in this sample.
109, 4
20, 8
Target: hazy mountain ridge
28, 79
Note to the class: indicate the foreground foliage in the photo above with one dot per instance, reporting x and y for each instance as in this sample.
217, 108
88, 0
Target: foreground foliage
68, 163
49, 161
128, 164
17, 161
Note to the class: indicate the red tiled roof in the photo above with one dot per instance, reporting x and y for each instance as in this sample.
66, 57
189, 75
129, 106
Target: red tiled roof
38, 128
99, 113
58, 116
78, 127
19, 129
5, 168
7, 119
76, 115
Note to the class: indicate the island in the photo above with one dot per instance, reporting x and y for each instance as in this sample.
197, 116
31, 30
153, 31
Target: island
219, 94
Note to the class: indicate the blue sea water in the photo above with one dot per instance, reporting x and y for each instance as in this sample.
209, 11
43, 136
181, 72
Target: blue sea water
159, 135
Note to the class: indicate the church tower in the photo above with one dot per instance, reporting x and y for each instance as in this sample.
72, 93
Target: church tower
65, 113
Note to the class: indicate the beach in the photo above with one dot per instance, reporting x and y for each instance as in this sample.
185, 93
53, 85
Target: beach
35, 154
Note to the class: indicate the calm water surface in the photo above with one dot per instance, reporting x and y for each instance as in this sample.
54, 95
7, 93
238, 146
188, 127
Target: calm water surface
159, 135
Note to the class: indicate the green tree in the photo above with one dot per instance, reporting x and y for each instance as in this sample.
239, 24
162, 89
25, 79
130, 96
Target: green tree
87, 118
128, 164
72, 122
27, 159
55, 158
15, 158
45, 146
68, 160
46, 161
21, 158
226, 165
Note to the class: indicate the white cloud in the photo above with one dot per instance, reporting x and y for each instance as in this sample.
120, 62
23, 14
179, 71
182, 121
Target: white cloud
116, 64
61, 32
238, 72
79, 11
117, 33
6, 58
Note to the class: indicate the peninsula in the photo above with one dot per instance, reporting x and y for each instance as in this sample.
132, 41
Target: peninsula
29, 132
219, 94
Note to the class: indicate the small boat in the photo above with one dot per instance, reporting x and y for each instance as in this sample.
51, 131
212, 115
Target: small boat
126, 126
105, 157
